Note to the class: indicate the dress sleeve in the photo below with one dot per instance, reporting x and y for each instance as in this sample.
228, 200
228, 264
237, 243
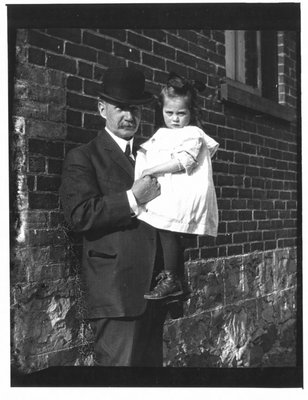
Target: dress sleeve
187, 152
211, 144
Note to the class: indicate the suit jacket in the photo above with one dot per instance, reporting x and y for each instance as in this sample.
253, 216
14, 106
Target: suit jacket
118, 251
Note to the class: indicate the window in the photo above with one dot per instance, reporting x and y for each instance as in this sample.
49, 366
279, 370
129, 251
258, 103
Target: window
252, 71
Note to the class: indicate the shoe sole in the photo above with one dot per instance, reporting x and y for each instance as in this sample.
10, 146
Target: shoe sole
149, 297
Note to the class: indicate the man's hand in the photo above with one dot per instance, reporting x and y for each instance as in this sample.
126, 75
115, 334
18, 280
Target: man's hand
146, 189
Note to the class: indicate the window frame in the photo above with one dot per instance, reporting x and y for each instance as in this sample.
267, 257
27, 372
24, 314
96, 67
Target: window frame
235, 90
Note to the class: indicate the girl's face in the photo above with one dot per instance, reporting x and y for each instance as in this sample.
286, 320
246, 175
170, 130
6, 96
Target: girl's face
176, 112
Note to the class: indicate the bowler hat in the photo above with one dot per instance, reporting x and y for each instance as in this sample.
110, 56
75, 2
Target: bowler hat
125, 86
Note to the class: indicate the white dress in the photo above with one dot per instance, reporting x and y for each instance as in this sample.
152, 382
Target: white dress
187, 202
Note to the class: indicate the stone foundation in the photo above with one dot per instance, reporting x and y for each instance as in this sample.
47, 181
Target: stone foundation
242, 313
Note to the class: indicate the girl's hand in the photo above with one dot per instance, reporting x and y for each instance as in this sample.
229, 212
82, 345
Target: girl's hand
146, 172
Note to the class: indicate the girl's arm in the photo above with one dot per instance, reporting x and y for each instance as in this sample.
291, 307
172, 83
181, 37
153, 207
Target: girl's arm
171, 166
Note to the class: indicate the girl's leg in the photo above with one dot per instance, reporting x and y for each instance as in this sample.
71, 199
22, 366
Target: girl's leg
171, 247
169, 285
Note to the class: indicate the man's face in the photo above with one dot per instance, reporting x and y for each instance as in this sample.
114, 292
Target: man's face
123, 121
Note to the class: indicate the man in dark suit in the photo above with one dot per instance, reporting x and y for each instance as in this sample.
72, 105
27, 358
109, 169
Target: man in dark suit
100, 199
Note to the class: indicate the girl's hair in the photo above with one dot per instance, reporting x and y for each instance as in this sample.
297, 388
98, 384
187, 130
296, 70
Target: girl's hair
177, 86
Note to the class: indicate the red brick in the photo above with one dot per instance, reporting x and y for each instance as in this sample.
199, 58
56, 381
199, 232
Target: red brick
43, 237
220, 167
128, 52
48, 183
252, 171
74, 118
217, 119
225, 180
255, 236
39, 146
257, 246
119, 34
188, 34
43, 201
36, 56
209, 253
56, 112
245, 215
109, 60
223, 240
91, 88
153, 61
139, 41
268, 235
219, 36
291, 204
74, 83
93, 121
80, 135
186, 59
85, 70
71, 34
250, 226
157, 34
240, 237
61, 63
245, 193
81, 102
238, 204
234, 145
36, 164
237, 169
56, 219
234, 226
78, 51
54, 166
46, 129
45, 42
225, 155
234, 250
31, 182
229, 215
97, 42
229, 192
179, 69
254, 204
270, 245
197, 50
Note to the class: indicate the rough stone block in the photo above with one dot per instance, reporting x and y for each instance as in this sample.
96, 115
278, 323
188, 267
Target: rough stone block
233, 279
206, 283
46, 129
254, 279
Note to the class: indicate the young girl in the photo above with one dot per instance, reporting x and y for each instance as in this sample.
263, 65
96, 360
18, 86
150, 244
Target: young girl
179, 155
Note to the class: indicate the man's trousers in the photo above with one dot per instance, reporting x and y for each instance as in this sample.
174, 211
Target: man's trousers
132, 342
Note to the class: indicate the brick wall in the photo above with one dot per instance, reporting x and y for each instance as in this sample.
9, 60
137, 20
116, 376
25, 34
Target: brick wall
56, 76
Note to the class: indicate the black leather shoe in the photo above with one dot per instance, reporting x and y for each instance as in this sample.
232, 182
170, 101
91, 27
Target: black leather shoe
169, 286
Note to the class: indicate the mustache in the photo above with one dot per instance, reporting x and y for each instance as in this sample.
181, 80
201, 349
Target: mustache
128, 125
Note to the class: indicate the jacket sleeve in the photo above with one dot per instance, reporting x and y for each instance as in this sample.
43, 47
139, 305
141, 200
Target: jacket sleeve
84, 204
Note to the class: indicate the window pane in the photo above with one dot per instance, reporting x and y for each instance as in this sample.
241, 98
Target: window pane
252, 58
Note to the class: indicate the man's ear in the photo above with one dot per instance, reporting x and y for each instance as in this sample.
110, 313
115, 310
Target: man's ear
102, 108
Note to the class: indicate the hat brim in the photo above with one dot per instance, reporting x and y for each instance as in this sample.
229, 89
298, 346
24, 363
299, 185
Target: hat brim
146, 98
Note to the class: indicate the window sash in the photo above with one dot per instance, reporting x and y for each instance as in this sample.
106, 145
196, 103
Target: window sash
236, 59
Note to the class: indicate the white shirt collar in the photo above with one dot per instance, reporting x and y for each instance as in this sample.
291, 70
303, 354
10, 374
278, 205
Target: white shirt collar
121, 142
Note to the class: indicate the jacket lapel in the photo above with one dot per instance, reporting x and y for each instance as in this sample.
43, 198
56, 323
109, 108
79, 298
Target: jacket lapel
106, 142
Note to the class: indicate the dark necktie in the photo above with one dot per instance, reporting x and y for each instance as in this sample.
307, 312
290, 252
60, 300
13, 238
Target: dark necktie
129, 154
